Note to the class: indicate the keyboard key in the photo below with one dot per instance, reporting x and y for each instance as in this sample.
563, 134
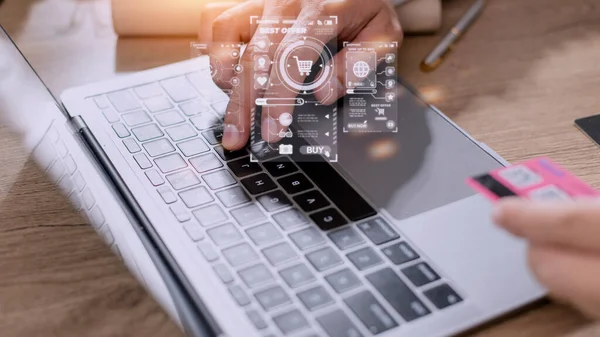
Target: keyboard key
131, 145
210, 93
147, 90
181, 132
88, 199
195, 107
159, 147
62, 149
343, 280
378, 231
180, 212
324, 259
263, 234
169, 118
364, 258
290, 322
259, 183
243, 167
192, 147
195, 197
346, 238
155, 177
157, 104
136, 118
183, 179
79, 181
70, 164
337, 324
255, 275
205, 121
240, 254
97, 217
297, 275
335, 187
57, 169
106, 234
220, 107
370, 312
398, 294
206, 162
147, 132
248, 215
179, 89
272, 298
170, 163
420, 274
315, 298
307, 238
101, 102
263, 151
400, 253
274, 200
207, 250
121, 130
280, 167
123, 101
295, 183
311, 201
328, 219
280, 253
290, 219
224, 234
218, 179
229, 155
442, 296
223, 273
233, 197
257, 319
194, 232
213, 137
142, 160
110, 115
239, 295
209, 215
167, 194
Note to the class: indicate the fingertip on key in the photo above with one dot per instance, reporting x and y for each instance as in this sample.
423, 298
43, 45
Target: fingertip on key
232, 138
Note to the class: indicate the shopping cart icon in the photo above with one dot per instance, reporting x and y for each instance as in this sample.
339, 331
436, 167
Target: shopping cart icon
304, 67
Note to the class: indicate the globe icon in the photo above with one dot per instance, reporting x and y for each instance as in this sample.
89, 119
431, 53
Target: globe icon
361, 69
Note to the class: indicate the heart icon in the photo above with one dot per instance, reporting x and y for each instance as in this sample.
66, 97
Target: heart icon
261, 80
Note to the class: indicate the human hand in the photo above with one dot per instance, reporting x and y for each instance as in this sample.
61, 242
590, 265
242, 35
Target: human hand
564, 246
373, 20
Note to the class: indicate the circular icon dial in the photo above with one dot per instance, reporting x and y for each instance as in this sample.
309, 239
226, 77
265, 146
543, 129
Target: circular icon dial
296, 62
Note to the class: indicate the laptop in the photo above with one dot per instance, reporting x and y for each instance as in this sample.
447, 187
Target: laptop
411, 250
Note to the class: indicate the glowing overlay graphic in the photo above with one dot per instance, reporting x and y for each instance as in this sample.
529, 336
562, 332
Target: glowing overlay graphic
286, 77
370, 102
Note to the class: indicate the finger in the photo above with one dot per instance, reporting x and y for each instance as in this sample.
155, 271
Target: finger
572, 223
295, 58
383, 27
231, 26
209, 13
241, 104
569, 275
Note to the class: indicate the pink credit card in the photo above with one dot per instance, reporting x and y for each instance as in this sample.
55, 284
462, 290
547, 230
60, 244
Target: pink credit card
535, 179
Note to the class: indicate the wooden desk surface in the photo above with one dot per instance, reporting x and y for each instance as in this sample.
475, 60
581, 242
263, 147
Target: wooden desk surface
516, 82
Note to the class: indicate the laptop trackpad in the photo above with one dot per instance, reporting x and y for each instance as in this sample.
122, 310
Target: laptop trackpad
421, 167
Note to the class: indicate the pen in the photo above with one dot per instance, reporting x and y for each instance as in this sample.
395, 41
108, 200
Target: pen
441, 50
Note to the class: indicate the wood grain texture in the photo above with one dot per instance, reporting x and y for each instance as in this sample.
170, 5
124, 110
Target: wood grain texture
516, 82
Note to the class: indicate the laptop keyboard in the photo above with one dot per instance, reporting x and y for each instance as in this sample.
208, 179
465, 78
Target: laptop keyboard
299, 250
